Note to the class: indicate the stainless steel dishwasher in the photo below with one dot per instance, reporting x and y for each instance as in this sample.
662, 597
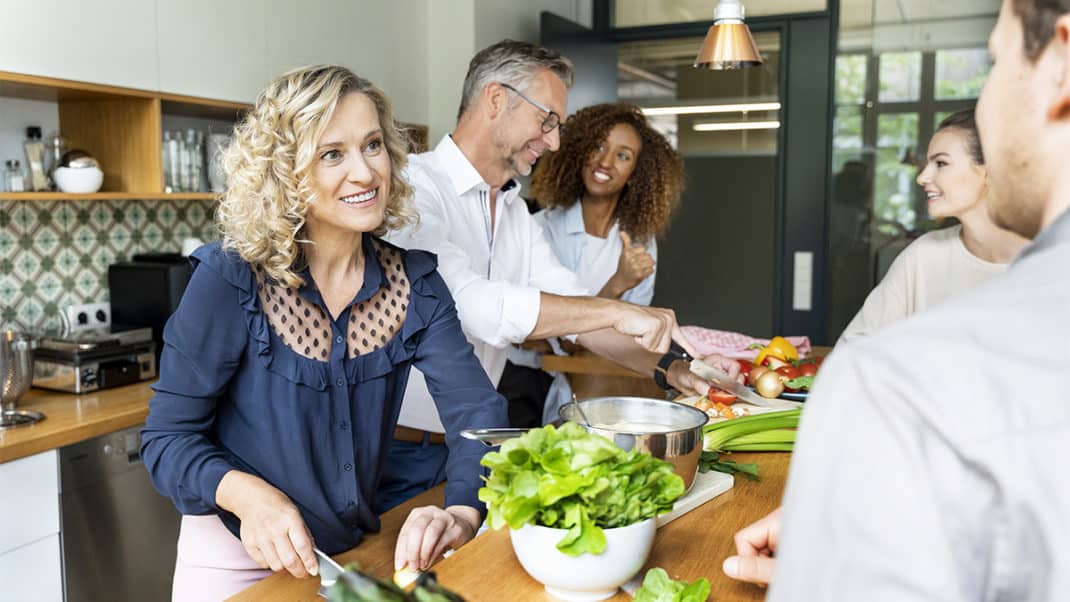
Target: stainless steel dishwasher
118, 533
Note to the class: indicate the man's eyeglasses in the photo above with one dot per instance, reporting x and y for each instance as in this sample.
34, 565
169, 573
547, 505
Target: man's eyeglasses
553, 120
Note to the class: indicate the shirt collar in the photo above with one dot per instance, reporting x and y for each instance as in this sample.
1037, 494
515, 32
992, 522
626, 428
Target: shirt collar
463, 175
574, 219
1056, 234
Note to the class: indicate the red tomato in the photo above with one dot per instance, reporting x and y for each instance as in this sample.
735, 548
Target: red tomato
789, 372
808, 369
744, 369
720, 396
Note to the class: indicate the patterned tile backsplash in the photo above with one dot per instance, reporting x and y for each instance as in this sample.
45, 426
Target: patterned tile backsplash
55, 253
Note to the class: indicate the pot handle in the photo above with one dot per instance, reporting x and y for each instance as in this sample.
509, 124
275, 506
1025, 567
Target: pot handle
492, 437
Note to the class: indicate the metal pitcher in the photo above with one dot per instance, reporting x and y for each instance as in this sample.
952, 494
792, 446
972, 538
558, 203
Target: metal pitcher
16, 367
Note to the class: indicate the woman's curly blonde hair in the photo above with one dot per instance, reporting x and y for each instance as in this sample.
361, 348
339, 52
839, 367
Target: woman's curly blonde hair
652, 191
269, 167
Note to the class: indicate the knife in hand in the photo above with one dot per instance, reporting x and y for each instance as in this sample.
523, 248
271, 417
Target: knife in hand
723, 381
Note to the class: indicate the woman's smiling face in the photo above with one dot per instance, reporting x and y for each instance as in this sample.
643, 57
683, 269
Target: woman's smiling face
612, 163
351, 171
952, 181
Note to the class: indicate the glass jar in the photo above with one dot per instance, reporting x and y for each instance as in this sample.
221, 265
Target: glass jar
14, 180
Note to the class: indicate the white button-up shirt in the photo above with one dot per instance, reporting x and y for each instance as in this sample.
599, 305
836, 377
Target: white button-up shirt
495, 272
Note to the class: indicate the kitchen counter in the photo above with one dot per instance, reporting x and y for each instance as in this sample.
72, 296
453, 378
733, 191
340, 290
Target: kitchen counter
486, 569
73, 418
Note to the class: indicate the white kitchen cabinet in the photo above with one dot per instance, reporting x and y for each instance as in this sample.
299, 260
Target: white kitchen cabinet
30, 557
101, 41
216, 49
30, 500
33, 572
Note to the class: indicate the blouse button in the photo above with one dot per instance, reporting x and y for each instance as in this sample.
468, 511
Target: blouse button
340, 382
343, 425
338, 339
348, 466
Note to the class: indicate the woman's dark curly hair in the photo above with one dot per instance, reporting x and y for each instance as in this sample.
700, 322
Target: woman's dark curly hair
652, 191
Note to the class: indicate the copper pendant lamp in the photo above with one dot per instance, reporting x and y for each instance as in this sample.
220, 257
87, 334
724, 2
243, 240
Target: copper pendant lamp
729, 43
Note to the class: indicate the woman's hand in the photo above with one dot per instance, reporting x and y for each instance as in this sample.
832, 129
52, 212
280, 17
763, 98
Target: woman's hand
272, 530
755, 548
429, 531
633, 266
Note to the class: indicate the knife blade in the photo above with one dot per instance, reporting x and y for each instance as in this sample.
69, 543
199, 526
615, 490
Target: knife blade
329, 570
723, 381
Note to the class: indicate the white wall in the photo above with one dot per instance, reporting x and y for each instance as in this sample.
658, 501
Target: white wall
457, 29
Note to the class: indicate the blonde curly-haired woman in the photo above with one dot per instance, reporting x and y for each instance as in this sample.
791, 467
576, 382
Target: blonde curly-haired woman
284, 366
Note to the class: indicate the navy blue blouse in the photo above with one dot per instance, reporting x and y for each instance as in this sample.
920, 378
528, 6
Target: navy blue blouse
233, 396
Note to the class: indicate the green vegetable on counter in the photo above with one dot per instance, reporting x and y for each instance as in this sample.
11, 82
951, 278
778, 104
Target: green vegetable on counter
712, 461
802, 382
658, 587
567, 478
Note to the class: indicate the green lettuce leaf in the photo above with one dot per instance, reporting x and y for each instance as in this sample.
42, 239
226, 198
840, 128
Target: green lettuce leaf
658, 587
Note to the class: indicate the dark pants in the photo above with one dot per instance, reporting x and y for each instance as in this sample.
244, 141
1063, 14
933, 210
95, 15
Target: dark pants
411, 469
525, 389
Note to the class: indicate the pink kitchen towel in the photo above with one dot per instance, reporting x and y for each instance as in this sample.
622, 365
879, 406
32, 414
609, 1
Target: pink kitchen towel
733, 344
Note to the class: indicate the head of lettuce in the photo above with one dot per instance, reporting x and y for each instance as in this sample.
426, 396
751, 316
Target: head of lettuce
567, 478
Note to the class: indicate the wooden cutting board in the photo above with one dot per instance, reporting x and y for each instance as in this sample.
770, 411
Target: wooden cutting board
706, 487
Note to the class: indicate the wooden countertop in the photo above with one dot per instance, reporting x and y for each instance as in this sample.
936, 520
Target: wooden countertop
486, 570
73, 418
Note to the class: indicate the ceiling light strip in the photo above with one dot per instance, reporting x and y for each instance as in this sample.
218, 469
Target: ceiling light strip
732, 126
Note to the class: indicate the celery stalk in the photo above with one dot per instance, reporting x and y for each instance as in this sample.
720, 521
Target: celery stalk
719, 434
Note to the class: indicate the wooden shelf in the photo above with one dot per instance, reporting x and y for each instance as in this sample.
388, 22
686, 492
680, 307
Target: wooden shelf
121, 127
104, 196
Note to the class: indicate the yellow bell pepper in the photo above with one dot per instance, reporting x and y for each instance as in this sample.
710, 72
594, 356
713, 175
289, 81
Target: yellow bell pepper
786, 349
769, 351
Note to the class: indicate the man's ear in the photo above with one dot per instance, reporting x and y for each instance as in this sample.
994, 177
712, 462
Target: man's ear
1060, 105
495, 99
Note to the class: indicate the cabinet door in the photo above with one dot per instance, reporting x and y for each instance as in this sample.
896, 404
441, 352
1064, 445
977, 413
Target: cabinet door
33, 512
33, 572
105, 41
215, 49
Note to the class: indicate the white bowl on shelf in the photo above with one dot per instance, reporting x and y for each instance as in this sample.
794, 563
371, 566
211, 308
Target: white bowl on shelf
586, 577
77, 180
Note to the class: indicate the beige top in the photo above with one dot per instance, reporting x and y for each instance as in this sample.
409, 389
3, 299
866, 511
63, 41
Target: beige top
932, 268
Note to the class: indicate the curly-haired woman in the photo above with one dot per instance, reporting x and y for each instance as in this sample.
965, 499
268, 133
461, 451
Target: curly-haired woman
284, 366
607, 192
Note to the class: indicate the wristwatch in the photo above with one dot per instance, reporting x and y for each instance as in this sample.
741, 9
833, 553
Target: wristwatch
675, 352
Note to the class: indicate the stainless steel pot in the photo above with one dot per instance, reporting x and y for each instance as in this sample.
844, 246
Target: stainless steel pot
666, 430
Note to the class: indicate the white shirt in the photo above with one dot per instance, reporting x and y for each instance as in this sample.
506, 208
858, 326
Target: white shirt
931, 269
496, 272
594, 260
929, 458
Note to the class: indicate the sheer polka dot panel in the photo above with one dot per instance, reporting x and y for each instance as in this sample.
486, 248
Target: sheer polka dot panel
305, 327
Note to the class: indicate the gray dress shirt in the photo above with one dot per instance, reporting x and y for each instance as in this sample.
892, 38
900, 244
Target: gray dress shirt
930, 463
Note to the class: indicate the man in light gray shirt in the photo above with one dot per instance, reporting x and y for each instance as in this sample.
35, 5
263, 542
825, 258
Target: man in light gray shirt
929, 463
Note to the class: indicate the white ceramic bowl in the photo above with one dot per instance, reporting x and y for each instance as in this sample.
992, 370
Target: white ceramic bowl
78, 179
586, 577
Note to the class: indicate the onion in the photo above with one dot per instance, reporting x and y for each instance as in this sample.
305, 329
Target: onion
769, 384
755, 373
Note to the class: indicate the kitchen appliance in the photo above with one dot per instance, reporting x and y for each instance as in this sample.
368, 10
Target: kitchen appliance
16, 372
95, 360
667, 430
118, 534
146, 290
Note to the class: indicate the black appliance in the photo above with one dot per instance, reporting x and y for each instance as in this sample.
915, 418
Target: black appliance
146, 290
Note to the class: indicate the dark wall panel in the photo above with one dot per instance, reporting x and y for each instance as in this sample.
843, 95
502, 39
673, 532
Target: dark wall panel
716, 266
